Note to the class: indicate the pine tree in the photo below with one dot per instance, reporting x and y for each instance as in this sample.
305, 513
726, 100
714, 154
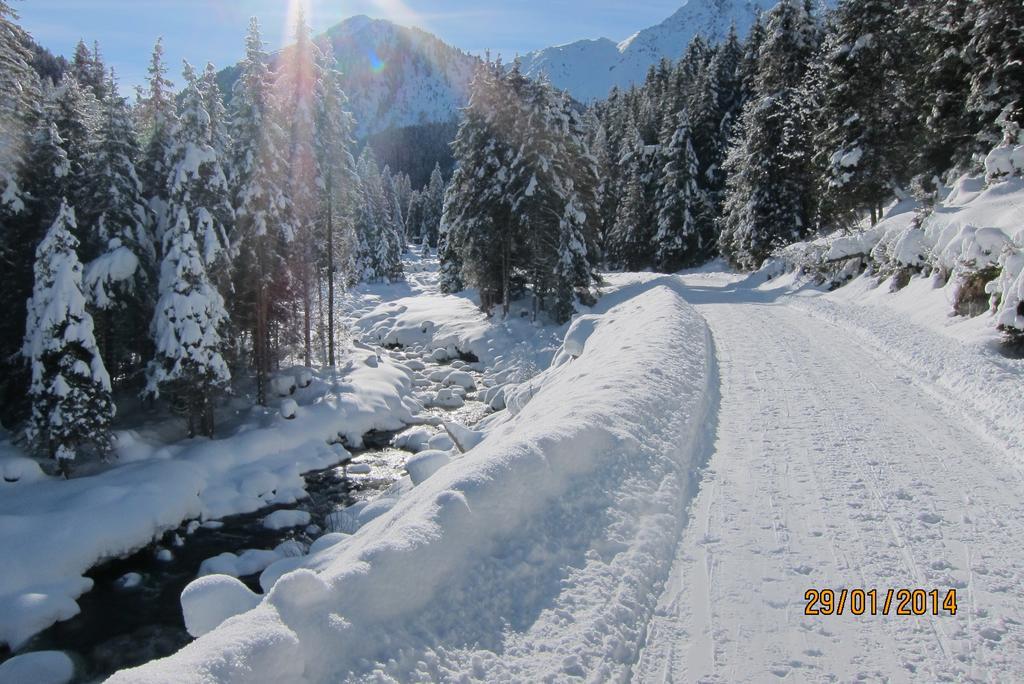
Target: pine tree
213, 101
631, 241
938, 72
334, 126
769, 186
196, 182
43, 184
20, 109
88, 70
475, 238
187, 330
263, 226
20, 101
156, 118
432, 207
298, 74
681, 239
997, 78
379, 239
70, 390
869, 130
77, 114
120, 280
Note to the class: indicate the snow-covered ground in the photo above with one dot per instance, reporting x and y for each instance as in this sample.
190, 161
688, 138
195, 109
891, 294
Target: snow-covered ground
537, 552
850, 453
700, 451
54, 530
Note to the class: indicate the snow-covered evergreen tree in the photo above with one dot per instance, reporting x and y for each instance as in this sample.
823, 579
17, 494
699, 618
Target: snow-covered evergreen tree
996, 50
187, 330
631, 240
769, 185
120, 280
70, 390
869, 127
379, 237
77, 114
334, 126
681, 238
156, 118
475, 235
19, 107
197, 183
43, 184
431, 207
263, 228
213, 101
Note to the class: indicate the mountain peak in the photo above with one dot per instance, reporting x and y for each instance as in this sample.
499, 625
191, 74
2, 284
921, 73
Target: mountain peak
589, 69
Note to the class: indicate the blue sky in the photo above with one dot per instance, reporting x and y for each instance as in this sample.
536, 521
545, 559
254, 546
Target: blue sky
213, 30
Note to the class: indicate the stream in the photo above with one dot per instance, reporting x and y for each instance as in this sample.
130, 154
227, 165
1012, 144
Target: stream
125, 626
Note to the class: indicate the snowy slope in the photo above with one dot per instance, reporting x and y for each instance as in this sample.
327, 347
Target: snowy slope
588, 69
533, 557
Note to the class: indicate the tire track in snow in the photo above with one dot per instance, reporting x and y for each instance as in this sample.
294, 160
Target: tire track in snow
832, 470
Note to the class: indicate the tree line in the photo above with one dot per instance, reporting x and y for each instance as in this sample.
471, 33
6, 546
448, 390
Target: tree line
169, 245
810, 124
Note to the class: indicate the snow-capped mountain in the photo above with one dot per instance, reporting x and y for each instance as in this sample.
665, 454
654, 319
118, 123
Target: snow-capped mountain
397, 76
394, 75
588, 69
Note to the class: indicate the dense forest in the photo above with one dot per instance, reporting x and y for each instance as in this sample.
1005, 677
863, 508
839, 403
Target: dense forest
167, 246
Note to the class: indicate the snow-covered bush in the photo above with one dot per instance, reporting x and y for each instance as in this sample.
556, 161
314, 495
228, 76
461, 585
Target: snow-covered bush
1007, 292
974, 254
1008, 158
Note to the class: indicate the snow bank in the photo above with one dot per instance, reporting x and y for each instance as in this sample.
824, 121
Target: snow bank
55, 530
209, 601
41, 667
446, 326
537, 555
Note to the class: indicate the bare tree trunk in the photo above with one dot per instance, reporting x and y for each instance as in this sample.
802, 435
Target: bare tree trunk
307, 304
506, 276
330, 278
260, 336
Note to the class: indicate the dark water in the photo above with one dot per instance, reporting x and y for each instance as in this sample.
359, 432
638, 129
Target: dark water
118, 628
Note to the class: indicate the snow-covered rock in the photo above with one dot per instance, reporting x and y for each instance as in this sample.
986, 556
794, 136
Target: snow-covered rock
129, 580
281, 520
426, 463
249, 562
440, 442
40, 667
284, 385
289, 409
462, 437
447, 398
413, 440
462, 379
359, 469
209, 601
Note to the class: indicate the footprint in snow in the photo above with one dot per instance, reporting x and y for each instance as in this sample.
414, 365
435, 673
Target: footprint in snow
930, 518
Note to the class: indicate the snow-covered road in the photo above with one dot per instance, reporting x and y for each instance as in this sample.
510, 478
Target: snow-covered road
832, 469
